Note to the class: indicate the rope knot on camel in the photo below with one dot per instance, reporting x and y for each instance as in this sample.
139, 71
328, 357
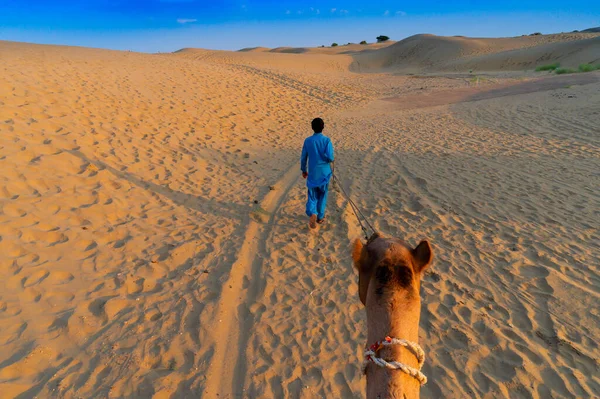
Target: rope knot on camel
371, 356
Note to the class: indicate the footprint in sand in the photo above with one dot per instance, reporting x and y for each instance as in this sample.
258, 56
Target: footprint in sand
153, 315
36, 278
59, 277
58, 298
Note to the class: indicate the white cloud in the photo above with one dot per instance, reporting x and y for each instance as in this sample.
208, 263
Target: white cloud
341, 11
386, 13
186, 20
401, 13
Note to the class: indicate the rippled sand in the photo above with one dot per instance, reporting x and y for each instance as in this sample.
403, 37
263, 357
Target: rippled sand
153, 241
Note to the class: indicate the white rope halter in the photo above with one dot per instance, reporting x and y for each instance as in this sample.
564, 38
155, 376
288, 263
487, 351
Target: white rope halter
371, 356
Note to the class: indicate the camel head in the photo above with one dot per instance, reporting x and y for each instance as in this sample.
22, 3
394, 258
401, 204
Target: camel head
389, 270
389, 280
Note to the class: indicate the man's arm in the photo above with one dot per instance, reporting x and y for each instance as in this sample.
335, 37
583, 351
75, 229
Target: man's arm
303, 159
329, 152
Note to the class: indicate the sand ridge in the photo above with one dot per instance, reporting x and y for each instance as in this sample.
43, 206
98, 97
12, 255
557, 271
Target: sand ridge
430, 53
153, 242
425, 53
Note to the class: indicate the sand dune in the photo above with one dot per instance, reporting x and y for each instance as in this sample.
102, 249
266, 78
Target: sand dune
289, 62
429, 53
350, 48
153, 242
253, 49
592, 30
567, 54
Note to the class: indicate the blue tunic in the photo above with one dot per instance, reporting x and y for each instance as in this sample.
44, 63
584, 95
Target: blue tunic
318, 151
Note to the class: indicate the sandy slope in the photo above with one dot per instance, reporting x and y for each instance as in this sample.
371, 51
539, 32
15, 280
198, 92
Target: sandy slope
312, 62
125, 177
429, 53
426, 53
350, 48
143, 253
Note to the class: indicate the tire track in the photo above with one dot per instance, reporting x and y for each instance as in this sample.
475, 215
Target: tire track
313, 91
227, 367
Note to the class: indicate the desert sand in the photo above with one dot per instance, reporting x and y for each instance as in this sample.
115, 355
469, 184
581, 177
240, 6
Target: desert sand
153, 241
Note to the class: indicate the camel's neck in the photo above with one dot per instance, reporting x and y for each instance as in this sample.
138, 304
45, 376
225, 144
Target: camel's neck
404, 324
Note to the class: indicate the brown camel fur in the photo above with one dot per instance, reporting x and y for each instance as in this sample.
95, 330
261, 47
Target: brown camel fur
388, 285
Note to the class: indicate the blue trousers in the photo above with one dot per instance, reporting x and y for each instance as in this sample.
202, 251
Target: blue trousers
317, 201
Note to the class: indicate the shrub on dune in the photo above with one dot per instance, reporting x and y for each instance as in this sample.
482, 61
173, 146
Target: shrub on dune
588, 67
334, 44
562, 71
363, 42
549, 67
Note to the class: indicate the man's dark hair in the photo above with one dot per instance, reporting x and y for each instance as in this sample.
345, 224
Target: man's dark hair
318, 125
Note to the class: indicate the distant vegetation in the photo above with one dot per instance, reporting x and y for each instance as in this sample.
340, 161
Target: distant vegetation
588, 68
363, 42
550, 67
561, 71
535, 34
382, 38
334, 44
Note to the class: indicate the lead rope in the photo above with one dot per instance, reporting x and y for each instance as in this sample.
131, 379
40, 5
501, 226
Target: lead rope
353, 206
371, 356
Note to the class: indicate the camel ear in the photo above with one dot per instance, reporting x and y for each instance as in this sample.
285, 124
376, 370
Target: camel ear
422, 255
357, 252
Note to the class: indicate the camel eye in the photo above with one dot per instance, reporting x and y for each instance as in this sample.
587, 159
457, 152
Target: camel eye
393, 276
404, 276
384, 276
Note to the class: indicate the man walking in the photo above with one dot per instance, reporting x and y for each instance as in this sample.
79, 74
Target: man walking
318, 151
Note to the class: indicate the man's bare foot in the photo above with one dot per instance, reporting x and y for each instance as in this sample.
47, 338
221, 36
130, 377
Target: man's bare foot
312, 223
320, 221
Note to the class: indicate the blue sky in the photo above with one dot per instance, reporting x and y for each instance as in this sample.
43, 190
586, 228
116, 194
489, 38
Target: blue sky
167, 25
